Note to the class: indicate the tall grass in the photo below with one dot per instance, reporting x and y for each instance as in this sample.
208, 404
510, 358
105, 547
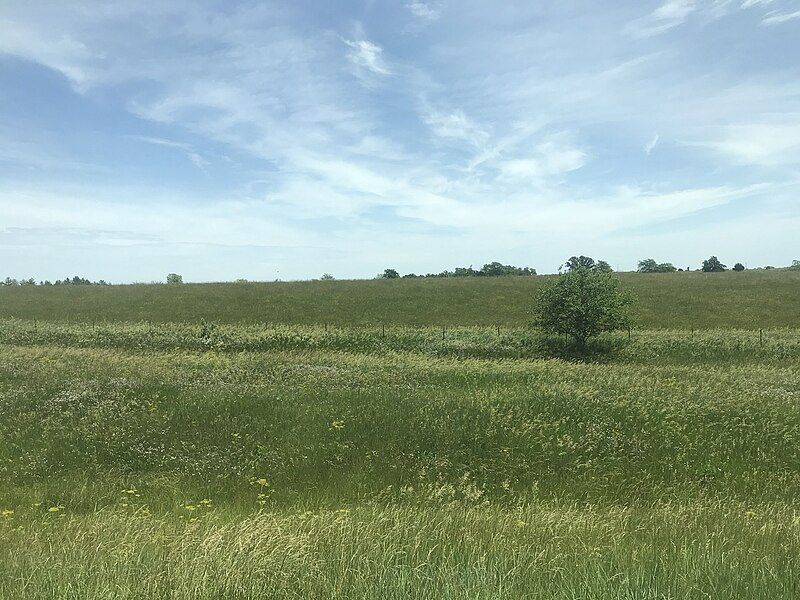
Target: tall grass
191, 460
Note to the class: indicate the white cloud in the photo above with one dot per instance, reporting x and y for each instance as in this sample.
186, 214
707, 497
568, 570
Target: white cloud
776, 18
670, 14
425, 11
196, 159
552, 157
456, 125
650, 146
674, 10
765, 144
367, 55
60, 52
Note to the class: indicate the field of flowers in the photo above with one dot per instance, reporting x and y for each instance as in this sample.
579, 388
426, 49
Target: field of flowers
180, 461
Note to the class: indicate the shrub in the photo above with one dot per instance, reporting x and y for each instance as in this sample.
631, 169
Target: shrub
174, 279
738, 267
582, 303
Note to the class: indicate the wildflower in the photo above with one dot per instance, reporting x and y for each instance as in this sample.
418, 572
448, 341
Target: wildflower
262, 482
6, 513
205, 502
54, 509
190, 507
337, 425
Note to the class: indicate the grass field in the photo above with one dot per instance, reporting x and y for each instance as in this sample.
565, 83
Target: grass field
751, 299
241, 460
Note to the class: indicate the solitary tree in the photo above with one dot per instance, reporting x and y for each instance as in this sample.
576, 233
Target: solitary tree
738, 267
174, 279
713, 265
327, 277
390, 274
587, 262
582, 303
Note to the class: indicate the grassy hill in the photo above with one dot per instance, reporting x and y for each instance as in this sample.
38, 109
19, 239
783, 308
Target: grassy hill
748, 300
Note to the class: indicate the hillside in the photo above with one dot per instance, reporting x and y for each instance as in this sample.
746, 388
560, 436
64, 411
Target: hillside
747, 300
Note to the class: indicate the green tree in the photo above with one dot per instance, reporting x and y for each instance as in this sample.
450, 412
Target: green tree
174, 279
649, 265
587, 262
713, 265
582, 303
390, 274
795, 265
738, 267
327, 277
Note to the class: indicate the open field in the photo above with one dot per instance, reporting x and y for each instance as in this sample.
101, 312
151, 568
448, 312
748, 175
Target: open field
749, 300
183, 461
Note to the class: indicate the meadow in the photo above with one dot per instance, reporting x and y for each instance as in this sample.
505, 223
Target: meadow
256, 457
750, 299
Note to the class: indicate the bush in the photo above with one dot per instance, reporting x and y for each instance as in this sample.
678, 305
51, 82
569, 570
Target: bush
738, 267
582, 303
174, 279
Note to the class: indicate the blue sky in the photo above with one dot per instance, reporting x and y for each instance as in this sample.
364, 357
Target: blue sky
270, 140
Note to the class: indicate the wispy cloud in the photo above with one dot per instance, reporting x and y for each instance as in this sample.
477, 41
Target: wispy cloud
776, 18
670, 14
196, 159
650, 146
458, 126
425, 11
367, 55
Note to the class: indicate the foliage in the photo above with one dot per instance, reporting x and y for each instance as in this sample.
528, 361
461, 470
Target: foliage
492, 269
327, 277
174, 279
795, 265
582, 303
738, 267
586, 262
713, 265
390, 274
649, 265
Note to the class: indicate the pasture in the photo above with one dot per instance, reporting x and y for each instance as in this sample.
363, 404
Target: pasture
317, 440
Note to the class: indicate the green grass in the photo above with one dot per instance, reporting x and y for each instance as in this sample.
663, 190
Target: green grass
749, 300
171, 461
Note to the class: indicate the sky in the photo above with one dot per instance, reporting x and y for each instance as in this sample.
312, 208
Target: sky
283, 140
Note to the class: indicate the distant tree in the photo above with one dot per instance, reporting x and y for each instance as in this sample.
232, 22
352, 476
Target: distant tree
649, 265
738, 267
582, 303
713, 265
576, 262
390, 274
587, 262
9, 281
795, 265
327, 277
174, 279
603, 267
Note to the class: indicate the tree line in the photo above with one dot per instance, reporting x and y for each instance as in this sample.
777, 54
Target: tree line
76, 280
